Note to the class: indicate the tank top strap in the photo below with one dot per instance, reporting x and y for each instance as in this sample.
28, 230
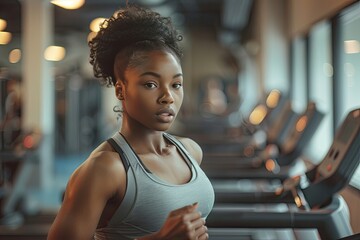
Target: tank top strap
181, 147
124, 146
121, 153
124, 151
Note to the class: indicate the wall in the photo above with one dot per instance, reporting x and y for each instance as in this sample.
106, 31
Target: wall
203, 56
268, 28
304, 13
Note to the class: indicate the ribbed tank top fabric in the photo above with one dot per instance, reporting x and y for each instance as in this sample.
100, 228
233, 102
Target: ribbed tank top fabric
148, 199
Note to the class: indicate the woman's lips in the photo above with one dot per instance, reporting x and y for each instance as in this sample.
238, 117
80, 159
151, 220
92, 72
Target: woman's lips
165, 115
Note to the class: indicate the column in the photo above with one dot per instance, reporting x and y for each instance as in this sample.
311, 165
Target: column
38, 81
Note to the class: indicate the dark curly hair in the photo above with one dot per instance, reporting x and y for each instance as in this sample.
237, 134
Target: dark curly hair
130, 30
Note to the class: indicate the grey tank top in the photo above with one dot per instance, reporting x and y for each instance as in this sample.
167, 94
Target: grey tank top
148, 199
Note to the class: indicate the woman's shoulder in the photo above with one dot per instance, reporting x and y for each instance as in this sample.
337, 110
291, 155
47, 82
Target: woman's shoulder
103, 164
192, 147
105, 158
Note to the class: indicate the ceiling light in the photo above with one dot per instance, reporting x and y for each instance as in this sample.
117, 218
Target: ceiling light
273, 99
352, 46
3, 24
69, 4
91, 35
258, 115
54, 53
5, 37
95, 24
15, 55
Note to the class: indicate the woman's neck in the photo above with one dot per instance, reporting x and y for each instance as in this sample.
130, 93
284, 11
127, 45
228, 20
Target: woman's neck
144, 140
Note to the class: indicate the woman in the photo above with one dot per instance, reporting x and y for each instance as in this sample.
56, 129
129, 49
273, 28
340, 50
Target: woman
142, 183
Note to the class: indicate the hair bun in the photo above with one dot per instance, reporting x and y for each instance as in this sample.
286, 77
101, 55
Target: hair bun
125, 27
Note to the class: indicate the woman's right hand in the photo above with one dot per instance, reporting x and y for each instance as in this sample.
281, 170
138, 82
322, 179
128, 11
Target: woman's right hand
182, 224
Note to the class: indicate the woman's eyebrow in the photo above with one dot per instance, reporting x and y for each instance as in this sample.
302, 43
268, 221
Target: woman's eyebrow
151, 74
178, 75
158, 75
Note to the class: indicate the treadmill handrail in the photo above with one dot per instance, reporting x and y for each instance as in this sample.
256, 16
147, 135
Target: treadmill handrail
327, 220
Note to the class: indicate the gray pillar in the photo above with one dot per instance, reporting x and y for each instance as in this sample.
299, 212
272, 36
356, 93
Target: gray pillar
38, 81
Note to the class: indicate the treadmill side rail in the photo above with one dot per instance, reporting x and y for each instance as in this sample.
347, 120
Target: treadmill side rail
332, 221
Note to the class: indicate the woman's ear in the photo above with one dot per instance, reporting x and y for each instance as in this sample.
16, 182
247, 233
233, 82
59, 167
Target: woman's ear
119, 90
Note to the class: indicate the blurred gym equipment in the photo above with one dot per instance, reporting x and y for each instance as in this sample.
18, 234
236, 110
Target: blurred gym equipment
315, 203
275, 161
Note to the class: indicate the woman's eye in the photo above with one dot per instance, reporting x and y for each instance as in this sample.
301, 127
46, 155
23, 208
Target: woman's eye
150, 85
177, 85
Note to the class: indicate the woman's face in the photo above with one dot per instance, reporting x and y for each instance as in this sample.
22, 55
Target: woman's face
153, 91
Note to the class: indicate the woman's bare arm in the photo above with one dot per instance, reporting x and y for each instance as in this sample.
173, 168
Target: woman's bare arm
88, 190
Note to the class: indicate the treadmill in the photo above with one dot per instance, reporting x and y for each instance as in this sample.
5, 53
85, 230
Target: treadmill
208, 130
311, 198
250, 145
274, 162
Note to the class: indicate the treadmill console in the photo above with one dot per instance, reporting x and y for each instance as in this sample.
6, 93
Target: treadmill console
317, 186
338, 166
341, 146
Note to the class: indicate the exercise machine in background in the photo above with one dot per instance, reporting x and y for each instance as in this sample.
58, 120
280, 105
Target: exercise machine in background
312, 197
274, 161
16, 167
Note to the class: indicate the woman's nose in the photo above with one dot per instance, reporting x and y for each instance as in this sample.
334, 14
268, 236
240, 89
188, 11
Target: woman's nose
166, 97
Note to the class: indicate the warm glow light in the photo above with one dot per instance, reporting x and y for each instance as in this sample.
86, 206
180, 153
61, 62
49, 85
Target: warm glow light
273, 99
270, 165
298, 201
258, 115
3, 24
279, 190
15, 55
54, 53
352, 46
28, 142
91, 35
95, 24
69, 4
249, 151
5, 38
301, 123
